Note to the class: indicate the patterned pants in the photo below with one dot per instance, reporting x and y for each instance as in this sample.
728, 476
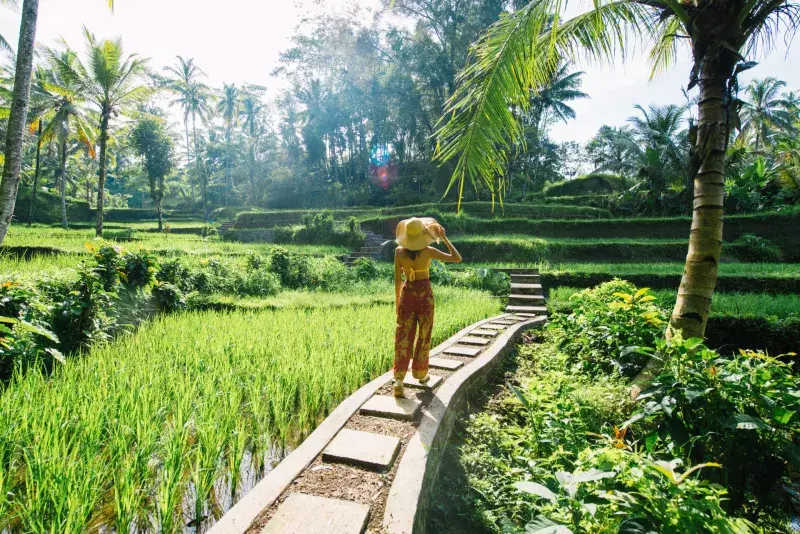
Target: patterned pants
415, 313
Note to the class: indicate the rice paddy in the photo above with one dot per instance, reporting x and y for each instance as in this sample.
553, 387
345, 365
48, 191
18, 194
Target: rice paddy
74, 240
165, 427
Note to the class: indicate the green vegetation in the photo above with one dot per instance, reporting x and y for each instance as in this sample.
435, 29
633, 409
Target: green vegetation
196, 393
707, 448
590, 184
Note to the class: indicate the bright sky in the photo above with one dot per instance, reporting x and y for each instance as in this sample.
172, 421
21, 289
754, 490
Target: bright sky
239, 41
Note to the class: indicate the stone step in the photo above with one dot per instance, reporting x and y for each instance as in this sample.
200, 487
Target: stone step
474, 341
508, 322
526, 278
533, 298
444, 363
516, 270
539, 310
363, 449
492, 326
392, 408
526, 289
462, 351
411, 382
483, 332
318, 515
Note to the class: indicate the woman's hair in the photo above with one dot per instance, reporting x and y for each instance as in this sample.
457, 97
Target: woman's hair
411, 254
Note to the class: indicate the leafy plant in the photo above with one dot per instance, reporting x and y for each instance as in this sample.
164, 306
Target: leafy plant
610, 326
741, 412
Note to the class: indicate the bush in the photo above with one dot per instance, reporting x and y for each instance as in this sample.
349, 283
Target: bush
168, 298
138, 269
365, 269
291, 268
610, 326
741, 412
750, 247
585, 185
261, 283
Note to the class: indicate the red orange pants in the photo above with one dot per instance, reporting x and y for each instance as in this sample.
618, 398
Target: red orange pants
414, 320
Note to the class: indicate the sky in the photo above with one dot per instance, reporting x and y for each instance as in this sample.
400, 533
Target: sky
237, 41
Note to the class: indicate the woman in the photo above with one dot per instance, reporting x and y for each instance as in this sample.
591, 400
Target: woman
414, 299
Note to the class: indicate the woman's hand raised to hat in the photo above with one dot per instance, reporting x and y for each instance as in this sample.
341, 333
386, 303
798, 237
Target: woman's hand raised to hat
437, 231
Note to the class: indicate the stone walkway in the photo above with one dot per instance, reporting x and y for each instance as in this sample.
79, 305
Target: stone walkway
346, 487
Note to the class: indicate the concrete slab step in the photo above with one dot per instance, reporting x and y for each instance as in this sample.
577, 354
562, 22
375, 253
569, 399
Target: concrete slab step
526, 289
504, 321
411, 382
444, 363
364, 449
318, 515
462, 351
392, 408
483, 332
493, 326
469, 340
539, 310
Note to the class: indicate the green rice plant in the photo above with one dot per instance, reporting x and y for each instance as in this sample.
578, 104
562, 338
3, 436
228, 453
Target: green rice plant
127, 435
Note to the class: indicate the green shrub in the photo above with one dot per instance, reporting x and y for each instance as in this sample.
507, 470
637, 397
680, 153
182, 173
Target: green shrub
365, 269
610, 326
138, 269
750, 247
168, 298
741, 412
585, 185
291, 268
261, 283
209, 231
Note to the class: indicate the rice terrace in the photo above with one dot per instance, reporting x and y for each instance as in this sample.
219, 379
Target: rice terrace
400, 266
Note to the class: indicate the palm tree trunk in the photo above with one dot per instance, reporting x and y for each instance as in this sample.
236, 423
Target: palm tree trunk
228, 185
189, 162
199, 169
690, 315
62, 183
15, 129
252, 173
36, 172
101, 175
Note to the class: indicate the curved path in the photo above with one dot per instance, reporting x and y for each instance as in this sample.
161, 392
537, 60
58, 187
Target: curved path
369, 466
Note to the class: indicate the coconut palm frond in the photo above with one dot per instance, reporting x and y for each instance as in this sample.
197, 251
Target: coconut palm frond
665, 52
764, 21
517, 54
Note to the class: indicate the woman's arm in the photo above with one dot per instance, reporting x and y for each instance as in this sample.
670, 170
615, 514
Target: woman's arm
398, 278
436, 254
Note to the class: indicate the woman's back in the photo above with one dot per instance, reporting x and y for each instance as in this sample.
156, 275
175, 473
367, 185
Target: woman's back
419, 260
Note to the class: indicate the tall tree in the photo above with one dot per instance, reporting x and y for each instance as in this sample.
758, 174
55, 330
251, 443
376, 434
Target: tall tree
184, 76
251, 123
67, 118
18, 115
228, 107
764, 109
113, 83
520, 50
154, 144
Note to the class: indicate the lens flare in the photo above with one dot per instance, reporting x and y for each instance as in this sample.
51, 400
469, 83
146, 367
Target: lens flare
382, 170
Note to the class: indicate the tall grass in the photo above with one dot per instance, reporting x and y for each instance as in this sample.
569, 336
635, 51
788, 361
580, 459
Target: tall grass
738, 304
137, 433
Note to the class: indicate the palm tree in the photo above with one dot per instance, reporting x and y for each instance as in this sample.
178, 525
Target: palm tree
111, 82
193, 97
18, 112
229, 107
42, 105
659, 130
550, 102
764, 109
521, 51
66, 117
250, 111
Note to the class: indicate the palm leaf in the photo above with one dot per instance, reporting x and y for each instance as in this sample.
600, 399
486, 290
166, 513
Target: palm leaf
519, 53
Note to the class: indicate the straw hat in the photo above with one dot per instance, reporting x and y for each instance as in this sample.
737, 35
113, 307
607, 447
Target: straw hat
413, 234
